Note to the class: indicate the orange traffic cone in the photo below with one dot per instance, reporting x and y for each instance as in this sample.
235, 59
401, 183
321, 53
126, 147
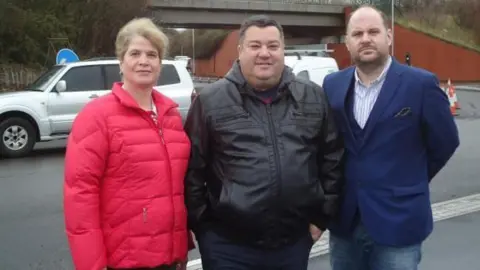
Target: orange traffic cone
452, 97
455, 99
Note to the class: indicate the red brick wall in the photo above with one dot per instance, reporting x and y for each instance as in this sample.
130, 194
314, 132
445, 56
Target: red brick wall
341, 55
220, 63
442, 58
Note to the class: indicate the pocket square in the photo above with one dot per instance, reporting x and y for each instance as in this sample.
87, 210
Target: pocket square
404, 112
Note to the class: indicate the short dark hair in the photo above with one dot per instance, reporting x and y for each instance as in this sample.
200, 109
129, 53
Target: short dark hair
385, 19
260, 21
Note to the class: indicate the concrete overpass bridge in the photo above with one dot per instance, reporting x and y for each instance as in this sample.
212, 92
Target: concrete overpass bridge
296, 14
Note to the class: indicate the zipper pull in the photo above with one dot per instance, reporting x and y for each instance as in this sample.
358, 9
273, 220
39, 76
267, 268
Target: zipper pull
144, 215
269, 108
161, 135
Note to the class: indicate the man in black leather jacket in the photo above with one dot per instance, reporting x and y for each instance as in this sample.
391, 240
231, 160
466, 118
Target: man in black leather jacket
265, 172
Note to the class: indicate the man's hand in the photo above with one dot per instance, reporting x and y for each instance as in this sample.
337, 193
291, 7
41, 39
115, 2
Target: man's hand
315, 232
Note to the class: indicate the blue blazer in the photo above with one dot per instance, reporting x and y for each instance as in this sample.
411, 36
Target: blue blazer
409, 137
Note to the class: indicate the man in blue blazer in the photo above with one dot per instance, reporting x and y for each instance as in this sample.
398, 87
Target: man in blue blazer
399, 133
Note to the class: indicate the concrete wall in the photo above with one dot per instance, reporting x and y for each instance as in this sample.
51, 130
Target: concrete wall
227, 13
192, 18
306, 6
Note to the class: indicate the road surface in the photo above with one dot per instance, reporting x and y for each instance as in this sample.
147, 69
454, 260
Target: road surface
454, 244
31, 219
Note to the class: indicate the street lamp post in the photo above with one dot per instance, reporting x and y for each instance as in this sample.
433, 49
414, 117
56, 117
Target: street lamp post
193, 51
393, 26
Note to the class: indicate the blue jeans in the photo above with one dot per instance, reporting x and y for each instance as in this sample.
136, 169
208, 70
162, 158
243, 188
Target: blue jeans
359, 252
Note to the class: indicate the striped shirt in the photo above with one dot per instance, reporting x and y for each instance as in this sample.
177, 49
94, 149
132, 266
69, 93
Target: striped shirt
366, 96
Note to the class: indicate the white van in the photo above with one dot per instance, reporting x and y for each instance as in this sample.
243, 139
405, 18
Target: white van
314, 68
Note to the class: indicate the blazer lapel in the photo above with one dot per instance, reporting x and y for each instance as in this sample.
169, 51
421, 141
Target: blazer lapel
389, 88
344, 87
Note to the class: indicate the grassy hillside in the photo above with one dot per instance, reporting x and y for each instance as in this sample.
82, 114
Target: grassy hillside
443, 27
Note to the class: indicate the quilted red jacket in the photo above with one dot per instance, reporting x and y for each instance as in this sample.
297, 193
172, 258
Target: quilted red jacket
123, 191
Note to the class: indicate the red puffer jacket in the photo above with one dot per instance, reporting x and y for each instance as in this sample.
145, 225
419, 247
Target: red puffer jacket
123, 192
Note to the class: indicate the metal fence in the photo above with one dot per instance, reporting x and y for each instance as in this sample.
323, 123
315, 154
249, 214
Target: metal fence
318, 2
15, 77
196, 3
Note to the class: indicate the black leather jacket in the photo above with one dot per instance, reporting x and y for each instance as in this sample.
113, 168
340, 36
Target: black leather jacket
261, 173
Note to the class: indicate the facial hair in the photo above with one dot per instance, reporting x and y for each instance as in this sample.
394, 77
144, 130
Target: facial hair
371, 64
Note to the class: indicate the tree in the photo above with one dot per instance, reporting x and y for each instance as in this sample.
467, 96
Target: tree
91, 26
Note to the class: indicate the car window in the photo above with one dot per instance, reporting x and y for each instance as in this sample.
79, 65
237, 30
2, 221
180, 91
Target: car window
87, 78
42, 81
112, 74
303, 74
169, 75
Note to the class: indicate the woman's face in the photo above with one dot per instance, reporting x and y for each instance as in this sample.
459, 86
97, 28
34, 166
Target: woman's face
141, 64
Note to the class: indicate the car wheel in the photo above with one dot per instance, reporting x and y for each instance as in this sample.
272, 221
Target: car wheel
18, 137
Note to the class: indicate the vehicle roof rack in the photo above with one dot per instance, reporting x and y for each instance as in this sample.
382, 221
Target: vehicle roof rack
307, 52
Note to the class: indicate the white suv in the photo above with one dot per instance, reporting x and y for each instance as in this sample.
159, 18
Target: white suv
45, 110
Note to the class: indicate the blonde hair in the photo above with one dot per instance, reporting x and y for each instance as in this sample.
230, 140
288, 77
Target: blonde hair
143, 27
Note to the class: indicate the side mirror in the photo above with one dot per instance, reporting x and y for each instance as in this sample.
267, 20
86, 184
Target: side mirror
61, 86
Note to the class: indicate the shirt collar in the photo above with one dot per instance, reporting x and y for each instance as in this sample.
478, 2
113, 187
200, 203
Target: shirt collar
382, 75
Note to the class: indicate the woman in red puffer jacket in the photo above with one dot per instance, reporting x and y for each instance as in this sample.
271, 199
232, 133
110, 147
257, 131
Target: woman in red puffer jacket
124, 167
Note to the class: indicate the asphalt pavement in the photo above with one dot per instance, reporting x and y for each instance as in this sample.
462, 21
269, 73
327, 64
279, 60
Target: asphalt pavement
32, 228
454, 244
468, 99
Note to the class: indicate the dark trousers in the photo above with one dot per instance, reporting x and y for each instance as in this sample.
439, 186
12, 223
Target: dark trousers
161, 267
218, 253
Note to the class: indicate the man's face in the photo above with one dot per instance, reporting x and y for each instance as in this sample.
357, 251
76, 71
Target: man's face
261, 56
368, 40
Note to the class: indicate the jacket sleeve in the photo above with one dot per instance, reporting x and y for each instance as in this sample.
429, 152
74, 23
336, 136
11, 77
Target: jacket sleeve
195, 189
85, 158
331, 160
439, 129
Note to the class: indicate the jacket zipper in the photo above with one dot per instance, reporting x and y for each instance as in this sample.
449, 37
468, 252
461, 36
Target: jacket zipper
160, 132
158, 126
275, 147
144, 215
161, 135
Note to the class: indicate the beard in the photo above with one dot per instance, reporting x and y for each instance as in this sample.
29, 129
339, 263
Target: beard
371, 62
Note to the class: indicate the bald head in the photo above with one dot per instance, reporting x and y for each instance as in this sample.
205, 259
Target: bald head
367, 12
368, 37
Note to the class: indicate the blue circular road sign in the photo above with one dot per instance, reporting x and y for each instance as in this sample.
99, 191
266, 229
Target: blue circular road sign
66, 56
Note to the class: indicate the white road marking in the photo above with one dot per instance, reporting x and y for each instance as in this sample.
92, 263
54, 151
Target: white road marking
441, 211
